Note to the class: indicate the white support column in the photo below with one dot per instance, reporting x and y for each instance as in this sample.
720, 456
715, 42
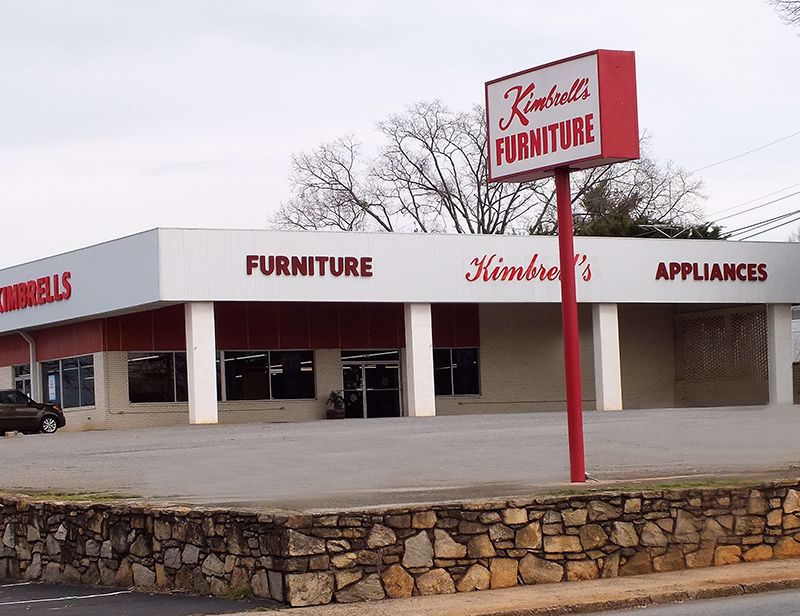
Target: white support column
779, 349
201, 362
607, 370
419, 360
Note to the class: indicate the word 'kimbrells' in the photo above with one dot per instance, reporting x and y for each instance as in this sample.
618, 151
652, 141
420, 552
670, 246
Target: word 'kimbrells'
281, 265
726, 272
550, 138
488, 268
44, 290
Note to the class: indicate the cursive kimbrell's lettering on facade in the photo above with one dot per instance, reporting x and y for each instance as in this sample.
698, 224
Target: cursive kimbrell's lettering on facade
489, 268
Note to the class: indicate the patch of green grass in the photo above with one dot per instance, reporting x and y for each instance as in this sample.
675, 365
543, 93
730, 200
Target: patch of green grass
92, 497
237, 594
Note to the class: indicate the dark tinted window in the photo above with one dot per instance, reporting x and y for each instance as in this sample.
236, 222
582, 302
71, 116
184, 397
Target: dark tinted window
456, 372
247, 375
292, 374
151, 377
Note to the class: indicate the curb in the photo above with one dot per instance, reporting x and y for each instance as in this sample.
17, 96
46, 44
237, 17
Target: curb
658, 598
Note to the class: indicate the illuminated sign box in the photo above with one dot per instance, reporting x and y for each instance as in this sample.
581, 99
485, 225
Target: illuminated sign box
577, 113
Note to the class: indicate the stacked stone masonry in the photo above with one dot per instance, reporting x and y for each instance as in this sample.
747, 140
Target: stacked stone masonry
304, 559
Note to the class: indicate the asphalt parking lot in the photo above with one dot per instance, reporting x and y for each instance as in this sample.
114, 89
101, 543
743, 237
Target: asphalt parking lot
29, 599
349, 463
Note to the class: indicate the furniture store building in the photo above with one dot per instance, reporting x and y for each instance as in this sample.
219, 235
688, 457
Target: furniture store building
176, 326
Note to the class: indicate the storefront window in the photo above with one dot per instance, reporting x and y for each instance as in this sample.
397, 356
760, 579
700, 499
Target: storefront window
22, 378
69, 382
265, 375
159, 377
456, 372
151, 377
291, 374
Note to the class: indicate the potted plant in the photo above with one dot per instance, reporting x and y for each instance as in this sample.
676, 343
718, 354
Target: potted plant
334, 406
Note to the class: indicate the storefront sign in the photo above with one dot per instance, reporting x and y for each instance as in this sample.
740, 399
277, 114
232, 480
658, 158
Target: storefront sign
35, 292
282, 265
725, 272
579, 112
489, 268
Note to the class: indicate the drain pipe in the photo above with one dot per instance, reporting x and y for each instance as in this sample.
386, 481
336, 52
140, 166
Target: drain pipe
32, 359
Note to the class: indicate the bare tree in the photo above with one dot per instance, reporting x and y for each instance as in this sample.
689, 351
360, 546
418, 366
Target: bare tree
430, 175
789, 10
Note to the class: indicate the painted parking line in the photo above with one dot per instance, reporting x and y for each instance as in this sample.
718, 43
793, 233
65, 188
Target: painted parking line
17, 584
68, 598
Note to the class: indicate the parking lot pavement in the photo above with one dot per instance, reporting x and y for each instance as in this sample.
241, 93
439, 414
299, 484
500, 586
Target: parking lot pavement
29, 599
354, 463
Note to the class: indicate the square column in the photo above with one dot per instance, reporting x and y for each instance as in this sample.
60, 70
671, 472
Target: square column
419, 360
607, 370
201, 362
779, 350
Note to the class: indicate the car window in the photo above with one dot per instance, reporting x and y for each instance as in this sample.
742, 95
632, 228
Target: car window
5, 397
17, 397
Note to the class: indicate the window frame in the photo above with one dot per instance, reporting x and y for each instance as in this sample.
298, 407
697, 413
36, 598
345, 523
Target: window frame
269, 374
453, 393
60, 371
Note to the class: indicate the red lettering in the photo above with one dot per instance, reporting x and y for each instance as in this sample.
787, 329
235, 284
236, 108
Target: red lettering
350, 266
366, 266
589, 123
661, 272
762, 271
65, 280
252, 263
751, 271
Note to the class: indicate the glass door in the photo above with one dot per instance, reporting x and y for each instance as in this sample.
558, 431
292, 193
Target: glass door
371, 381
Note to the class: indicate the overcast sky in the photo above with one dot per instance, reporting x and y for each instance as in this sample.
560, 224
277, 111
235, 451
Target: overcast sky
118, 116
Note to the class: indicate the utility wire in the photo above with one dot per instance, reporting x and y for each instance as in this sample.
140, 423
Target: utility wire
761, 147
761, 223
733, 207
778, 226
756, 207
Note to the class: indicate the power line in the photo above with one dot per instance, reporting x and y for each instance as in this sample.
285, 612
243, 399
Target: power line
775, 192
778, 226
761, 223
761, 147
756, 207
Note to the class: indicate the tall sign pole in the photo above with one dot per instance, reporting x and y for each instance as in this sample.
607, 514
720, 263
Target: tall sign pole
569, 319
543, 122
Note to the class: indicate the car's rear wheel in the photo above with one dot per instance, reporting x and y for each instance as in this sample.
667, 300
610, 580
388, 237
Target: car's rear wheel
49, 424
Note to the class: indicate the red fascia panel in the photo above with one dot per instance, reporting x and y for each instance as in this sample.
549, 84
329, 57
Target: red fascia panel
230, 326
262, 326
443, 324
467, 326
136, 331
293, 325
323, 325
169, 329
69, 340
619, 119
354, 326
386, 328
13, 350
112, 334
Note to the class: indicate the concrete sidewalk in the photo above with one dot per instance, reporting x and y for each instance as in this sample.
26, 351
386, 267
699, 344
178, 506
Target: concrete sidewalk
577, 597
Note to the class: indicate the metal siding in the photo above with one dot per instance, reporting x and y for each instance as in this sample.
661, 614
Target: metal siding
13, 350
207, 265
106, 277
69, 340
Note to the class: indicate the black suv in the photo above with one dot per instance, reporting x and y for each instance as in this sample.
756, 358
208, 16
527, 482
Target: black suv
21, 414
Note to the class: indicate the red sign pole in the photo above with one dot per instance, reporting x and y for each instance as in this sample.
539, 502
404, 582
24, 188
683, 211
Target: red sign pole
569, 316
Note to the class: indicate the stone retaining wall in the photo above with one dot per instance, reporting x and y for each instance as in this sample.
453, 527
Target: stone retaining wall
304, 559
